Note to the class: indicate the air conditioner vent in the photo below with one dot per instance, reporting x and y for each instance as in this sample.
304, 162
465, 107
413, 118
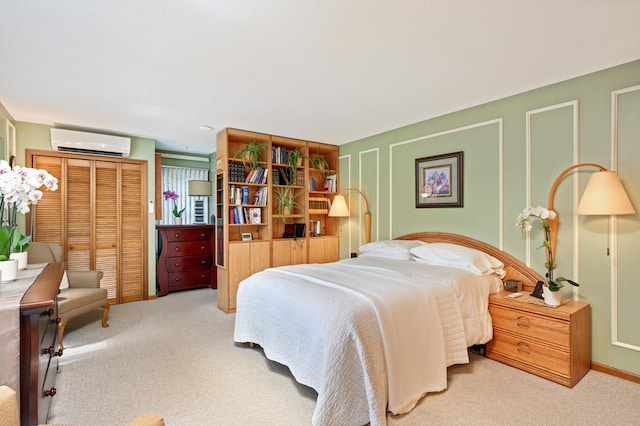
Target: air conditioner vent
90, 143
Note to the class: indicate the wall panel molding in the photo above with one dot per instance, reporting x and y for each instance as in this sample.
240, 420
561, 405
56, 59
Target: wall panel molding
613, 237
575, 148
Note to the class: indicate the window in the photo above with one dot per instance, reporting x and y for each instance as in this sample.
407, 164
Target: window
177, 179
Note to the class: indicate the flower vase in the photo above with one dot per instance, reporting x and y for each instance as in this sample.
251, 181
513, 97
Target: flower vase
9, 270
552, 298
177, 220
22, 259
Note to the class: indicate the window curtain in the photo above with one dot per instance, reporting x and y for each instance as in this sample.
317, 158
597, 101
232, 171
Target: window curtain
177, 179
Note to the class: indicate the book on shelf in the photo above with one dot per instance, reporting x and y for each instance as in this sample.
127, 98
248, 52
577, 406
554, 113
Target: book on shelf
255, 215
330, 183
245, 195
312, 184
260, 197
300, 178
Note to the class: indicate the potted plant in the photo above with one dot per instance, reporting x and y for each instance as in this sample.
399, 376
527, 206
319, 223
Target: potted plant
177, 214
285, 202
294, 160
320, 163
250, 153
19, 188
551, 289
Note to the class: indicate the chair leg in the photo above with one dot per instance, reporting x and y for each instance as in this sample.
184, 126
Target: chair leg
105, 313
61, 326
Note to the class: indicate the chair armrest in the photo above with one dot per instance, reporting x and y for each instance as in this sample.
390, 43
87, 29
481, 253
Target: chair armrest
84, 279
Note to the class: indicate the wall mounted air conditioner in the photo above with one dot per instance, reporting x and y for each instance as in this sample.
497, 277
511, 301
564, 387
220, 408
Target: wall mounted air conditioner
89, 143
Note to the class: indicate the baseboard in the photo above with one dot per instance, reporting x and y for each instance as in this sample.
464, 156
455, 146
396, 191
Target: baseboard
615, 372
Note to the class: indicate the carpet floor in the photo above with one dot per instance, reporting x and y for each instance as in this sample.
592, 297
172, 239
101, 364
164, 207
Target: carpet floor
176, 356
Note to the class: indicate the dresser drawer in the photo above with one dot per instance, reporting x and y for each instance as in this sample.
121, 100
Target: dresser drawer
189, 235
189, 248
189, 263
529, 352
530, 325
190, 279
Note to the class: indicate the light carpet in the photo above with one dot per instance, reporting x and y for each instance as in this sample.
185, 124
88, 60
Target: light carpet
176, 356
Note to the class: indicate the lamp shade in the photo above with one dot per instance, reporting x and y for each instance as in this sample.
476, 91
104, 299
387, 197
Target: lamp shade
339, 207
604, 195
200, 188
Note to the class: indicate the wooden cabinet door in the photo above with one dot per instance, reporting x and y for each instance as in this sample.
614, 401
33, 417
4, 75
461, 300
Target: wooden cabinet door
133, 223
99, 217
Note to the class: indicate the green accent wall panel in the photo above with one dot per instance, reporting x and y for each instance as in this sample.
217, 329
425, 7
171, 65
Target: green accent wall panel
514, 148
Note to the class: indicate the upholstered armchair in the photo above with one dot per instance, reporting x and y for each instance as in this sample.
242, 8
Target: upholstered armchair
83, 293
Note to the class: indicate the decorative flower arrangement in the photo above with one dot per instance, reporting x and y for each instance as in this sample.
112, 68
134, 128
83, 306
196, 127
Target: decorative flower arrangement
170, 195
19, 188
524, 222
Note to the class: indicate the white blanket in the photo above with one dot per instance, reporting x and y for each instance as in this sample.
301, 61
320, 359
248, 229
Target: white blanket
365, 336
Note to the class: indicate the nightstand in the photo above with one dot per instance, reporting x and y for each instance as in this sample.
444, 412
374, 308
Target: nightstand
554, 343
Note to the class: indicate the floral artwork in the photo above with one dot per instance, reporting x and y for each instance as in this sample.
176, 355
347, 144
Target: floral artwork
19, 189
439, 180
170, 195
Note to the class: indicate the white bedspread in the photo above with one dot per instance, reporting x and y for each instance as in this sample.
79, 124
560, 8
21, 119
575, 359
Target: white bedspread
368, 334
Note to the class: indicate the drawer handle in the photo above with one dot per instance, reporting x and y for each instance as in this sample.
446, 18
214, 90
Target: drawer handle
203, 276
177, 235
524, 348
202, 235
203, 262
177, 263
203, 247
523, 322
177, 279
177, 248
51, 392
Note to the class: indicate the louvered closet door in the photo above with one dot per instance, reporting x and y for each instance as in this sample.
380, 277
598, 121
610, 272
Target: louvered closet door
107, 230
98, 215
133, 215
79, 214
47, 223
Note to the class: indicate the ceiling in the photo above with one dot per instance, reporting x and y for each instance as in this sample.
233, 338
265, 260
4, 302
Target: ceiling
330, 71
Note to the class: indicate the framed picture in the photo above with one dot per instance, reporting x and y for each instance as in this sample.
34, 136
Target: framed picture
439, 180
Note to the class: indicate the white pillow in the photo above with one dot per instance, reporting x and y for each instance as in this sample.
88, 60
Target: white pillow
390, 247
455, 256
388, 255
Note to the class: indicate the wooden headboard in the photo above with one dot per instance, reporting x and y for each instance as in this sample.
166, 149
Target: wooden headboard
515, 269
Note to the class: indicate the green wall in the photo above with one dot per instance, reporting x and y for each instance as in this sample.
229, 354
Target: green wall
514, 148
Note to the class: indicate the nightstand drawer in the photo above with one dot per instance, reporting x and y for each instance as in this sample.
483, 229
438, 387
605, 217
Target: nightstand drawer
530, 325
507, 346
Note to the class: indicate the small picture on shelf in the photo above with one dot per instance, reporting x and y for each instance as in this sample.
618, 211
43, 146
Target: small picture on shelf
255, 215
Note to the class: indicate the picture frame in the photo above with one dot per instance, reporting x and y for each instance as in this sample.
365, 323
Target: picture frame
439, 180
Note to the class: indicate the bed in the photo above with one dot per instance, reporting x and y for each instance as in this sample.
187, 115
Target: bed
376, 333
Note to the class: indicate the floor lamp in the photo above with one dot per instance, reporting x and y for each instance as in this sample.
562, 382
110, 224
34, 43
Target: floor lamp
604, 195
339, 209
200, 188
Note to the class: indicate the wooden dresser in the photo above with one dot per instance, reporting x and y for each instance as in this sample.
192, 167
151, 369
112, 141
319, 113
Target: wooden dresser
554, 343
38, 348
185, 257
